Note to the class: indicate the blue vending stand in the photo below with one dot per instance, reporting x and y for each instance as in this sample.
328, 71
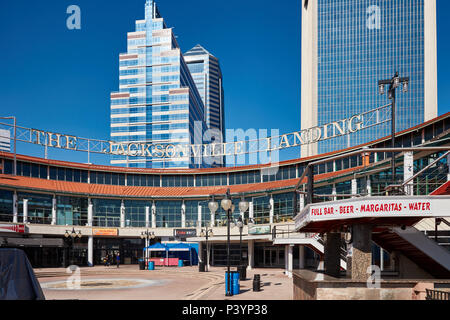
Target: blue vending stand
235, 284
151, 265
180, 263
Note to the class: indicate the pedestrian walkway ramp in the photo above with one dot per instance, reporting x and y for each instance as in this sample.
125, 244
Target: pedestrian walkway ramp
417, 247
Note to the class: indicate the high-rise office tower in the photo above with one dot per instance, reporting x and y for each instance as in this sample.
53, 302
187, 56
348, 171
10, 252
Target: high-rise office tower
158, 102
207, 75
348, 45
5, 140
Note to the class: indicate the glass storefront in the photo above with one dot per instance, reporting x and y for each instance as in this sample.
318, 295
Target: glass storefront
39, 207
106, 212
6, 205
71, 211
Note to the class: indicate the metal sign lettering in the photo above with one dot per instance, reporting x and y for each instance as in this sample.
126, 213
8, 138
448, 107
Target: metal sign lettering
148, 149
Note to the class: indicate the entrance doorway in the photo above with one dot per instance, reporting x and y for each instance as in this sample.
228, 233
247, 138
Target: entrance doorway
269, 256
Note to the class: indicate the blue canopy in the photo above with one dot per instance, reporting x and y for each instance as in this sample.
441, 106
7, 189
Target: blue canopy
157, 247
178, 247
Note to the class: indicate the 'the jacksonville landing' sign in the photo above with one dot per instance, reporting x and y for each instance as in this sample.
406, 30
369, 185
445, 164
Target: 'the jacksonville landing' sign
245, 145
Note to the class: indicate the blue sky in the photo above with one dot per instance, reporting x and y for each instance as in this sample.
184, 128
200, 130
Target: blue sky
60, 80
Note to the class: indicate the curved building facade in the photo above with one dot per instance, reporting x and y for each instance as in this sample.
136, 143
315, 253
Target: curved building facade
110, 207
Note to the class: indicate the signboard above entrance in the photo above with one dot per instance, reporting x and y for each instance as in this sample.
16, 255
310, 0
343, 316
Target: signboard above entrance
375, 207
104, 232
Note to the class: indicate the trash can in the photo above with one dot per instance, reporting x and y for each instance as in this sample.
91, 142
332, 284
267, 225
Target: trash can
242, 272
257, 283
235, 285
201, 266
141, 264
151, 265
180, 263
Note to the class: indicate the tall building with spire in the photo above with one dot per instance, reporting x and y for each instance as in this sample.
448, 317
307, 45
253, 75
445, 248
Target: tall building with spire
207, 74
158, 102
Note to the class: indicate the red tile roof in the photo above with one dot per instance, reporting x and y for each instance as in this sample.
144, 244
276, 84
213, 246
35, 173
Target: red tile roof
54, 186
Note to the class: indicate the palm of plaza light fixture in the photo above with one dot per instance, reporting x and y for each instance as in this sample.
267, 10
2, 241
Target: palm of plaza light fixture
226, 205
207, 233
393, 83
243, 207
147, 235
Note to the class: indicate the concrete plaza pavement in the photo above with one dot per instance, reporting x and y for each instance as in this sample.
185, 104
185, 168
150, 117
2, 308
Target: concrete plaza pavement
185, 283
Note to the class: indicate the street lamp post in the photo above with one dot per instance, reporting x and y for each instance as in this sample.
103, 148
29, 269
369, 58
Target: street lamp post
243, 207
226, 205
208, 232
393, 83
72, 235
147, 235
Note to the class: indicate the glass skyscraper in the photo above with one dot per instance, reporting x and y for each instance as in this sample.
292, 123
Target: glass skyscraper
158, 102
348, 45
207, 75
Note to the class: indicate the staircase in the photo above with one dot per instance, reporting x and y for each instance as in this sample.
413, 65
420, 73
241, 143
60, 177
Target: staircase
417, 247
285, 234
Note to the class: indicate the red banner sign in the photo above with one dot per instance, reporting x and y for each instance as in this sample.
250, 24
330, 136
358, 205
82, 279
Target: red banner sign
13, 228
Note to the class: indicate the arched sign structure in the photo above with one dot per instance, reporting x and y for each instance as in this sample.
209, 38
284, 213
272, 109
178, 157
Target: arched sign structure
324, 132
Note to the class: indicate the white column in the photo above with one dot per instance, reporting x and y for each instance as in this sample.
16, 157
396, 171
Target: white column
272, 209
122, 215
200, 248
54, 211
183, 215
408, 172
90, 213
147, 216
301, 256
91, 251
25, 210
302, 201
290, 260
354, 188
286, 253
369, 187
213, 220
251, 258
333, 191
154, 215
15, 208
381, 259
199, 217
250, 210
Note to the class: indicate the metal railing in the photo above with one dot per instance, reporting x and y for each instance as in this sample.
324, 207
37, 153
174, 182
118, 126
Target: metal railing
437, 295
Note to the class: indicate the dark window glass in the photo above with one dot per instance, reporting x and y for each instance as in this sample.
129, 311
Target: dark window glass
35, 170
69, 175
61, 174
53, 173
114, 179
76, 175
438, 128
18, 168
84, 176
26, 170
190, 181
121, 179
353, 161
329, 166
107, 178
93, 177
8, 166
43, 172
338, 165
345, 163
428, 133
